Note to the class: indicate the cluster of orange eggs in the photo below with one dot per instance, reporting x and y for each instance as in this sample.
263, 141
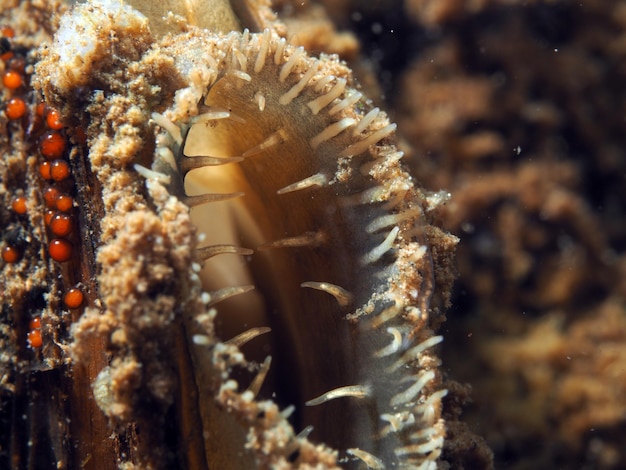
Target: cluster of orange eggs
73, 298
15, 109
55, 169
34, 337
43, 125
44, 129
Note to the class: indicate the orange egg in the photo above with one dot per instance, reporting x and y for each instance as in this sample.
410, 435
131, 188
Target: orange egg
40, 109
59, 170
10, 254
12, 80
44, 170
19, 205
61, 224
54, 120
50, 196
35, 323
7, 31
34, 339
16, 108
60, 250
47, 216
73, 298
64, 202
52, 145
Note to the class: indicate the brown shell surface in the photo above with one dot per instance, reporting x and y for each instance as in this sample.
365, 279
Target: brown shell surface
326, 241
